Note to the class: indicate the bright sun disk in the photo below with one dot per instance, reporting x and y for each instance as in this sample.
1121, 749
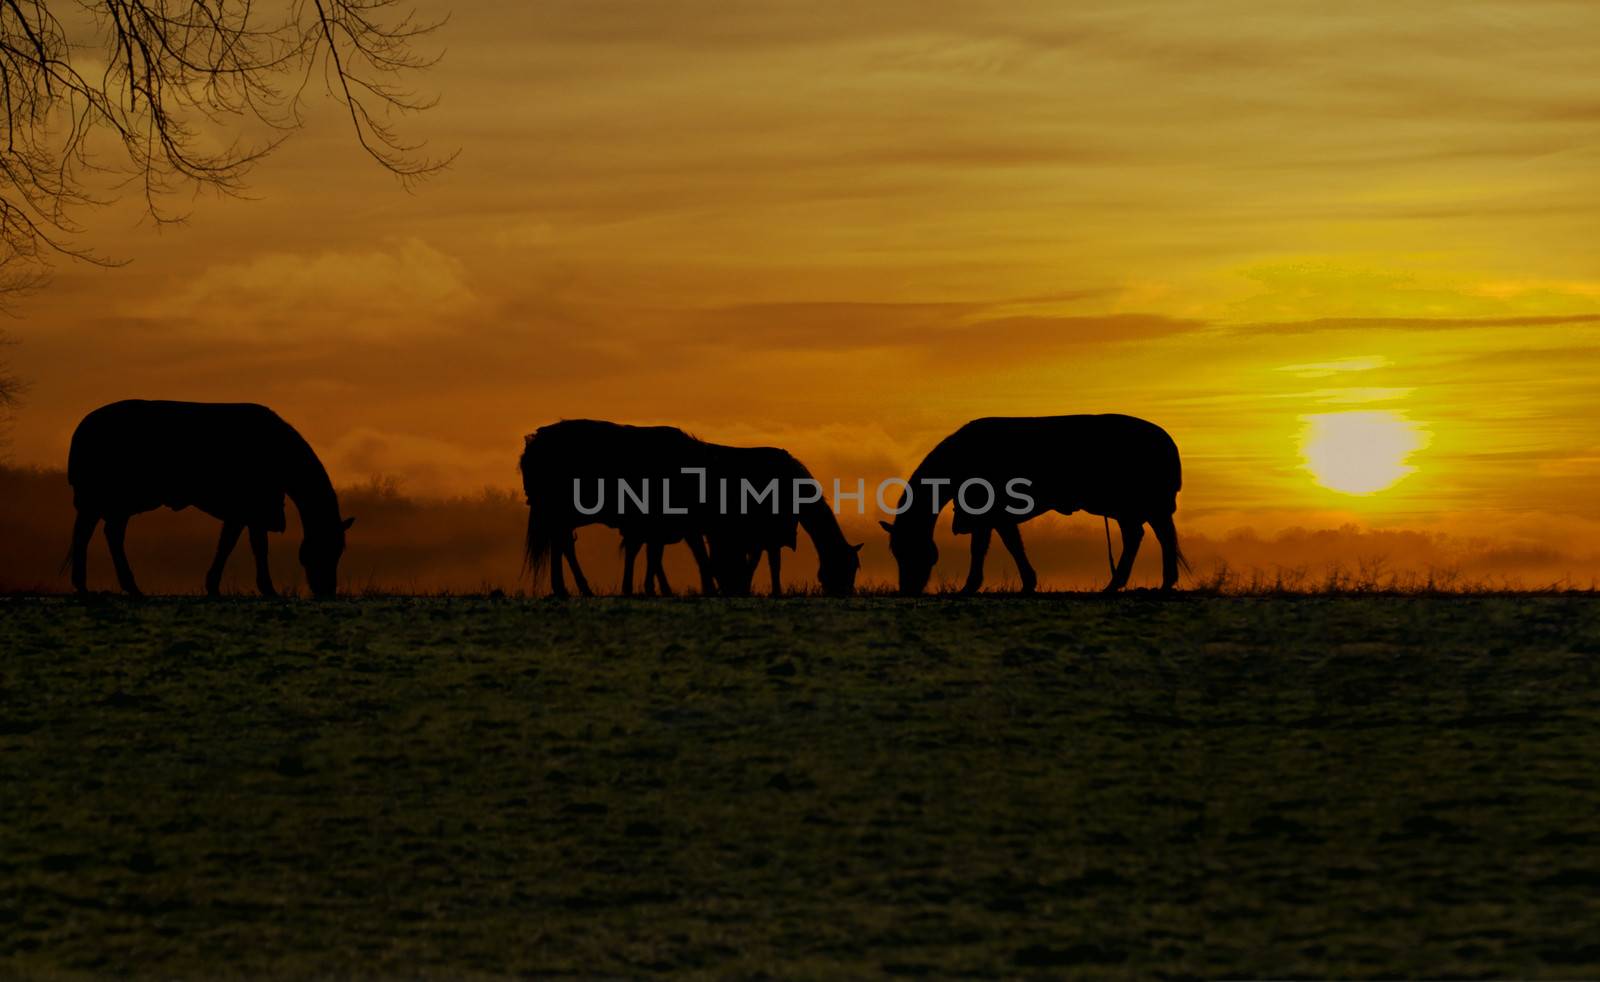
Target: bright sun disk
1360, 452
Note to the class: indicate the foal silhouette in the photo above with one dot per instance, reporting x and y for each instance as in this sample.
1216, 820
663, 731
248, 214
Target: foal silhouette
233, 461
1119, 467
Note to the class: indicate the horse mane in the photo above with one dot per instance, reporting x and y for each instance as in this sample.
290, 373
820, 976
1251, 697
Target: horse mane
309, 486
934, 464
820, 521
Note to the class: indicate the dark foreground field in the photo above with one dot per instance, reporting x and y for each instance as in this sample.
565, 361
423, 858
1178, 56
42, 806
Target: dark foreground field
1212, 787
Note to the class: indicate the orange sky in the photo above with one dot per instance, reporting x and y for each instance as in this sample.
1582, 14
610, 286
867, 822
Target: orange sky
846, 228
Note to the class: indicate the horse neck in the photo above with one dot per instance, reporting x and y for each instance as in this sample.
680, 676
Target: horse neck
822, 525
920, 518
310, 489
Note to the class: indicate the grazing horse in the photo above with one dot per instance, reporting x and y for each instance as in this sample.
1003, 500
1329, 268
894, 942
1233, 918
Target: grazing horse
1119, 467
583, 472
658, 485
233, 461
741, 536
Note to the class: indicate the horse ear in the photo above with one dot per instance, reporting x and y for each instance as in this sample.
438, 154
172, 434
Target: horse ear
887, 526
348, 522
858, 546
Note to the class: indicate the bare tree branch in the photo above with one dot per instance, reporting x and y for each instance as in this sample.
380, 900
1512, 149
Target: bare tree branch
163, 84
10, 391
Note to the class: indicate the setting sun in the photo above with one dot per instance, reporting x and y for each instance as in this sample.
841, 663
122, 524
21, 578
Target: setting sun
1360, 452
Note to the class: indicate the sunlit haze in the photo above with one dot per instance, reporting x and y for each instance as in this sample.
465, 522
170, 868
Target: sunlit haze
1343, 253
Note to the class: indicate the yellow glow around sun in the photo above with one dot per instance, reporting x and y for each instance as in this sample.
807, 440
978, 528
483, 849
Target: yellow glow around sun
1360, 452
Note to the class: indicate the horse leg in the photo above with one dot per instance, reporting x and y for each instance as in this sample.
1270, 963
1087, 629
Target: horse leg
702, 559
652, 556
733, 566
82, 532
558, 576
571, 550
630, 552
116, 538
258, 546
653, 560
774, 563
1011, 537
747, 583
225, 544
747, 572
1167, 535
1132, 535
560, 557
980, 549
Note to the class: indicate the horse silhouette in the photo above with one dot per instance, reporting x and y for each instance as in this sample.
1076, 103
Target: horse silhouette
1119, 467
233, 461
739, 537
576, 461
658, 485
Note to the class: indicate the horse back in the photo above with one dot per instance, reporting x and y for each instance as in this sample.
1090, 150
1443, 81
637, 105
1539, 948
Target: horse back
1104, 464
600, 454
229, 459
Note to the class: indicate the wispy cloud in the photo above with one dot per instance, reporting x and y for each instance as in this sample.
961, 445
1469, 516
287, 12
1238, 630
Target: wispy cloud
401, 288
1417, 323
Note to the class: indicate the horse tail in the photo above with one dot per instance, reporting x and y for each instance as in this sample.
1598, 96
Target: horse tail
538, 544
1183, 560
1177, 485
1110, 563
1172, 509
538, 541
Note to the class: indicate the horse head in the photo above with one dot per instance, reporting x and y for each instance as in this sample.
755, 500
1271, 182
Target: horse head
319, 554
838, 579
914, 554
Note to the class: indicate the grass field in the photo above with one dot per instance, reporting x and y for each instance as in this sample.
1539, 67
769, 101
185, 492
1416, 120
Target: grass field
806, 788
